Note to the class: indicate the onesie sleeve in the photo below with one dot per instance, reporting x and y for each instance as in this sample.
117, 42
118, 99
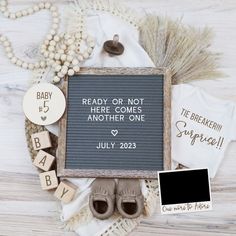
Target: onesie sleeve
181, 91
176, 91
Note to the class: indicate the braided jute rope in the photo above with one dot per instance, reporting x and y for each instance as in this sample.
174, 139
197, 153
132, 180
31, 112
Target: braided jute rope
30, 129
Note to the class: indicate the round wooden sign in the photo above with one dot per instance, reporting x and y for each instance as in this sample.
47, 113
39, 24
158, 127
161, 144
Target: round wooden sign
44, 104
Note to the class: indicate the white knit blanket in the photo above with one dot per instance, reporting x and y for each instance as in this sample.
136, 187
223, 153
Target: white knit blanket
76, 215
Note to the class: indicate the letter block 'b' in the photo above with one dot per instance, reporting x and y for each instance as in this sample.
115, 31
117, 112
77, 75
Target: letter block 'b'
48, 180
41, 140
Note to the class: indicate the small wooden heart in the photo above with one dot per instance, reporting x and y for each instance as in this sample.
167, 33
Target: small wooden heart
114, 132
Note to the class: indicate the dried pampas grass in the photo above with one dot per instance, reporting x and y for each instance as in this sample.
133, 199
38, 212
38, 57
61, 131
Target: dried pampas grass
182, 49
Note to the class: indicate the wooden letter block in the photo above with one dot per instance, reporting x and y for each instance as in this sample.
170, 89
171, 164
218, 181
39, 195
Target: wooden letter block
44, 160
65, 191
41, 140
48, 180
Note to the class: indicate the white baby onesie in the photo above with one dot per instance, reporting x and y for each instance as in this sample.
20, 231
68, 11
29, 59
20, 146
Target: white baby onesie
202, 127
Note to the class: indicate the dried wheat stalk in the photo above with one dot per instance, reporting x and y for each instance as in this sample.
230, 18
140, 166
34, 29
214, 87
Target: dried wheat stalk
183, 49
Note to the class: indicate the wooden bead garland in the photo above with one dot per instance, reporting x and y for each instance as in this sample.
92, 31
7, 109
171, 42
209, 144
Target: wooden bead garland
29, 11
68, 56
62, 52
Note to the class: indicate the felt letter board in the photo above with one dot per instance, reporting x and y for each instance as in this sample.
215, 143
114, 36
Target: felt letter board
117, 123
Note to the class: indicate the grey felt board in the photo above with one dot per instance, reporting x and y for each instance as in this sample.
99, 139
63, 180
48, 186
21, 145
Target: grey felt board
83, 136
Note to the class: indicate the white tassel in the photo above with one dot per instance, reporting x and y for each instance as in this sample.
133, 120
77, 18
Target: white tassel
84, 216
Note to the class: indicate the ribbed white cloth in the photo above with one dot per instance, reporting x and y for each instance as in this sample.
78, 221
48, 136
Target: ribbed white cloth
103, 27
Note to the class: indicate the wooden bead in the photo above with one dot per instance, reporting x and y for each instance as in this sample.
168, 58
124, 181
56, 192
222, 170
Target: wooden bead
42, 63
69, 58
89, 50
57, 56
56, 38
19, 14
36, 8
56, 20
55, 26
47, 5
30, 11
31, 66
25, 65
55, 14
10, 55
57, 68
36, 65
44, 160
24, 12
14, 60
41, 5
63, 47
75, 62
60, 75
76, 69
49, 37
85, 55
53, 43
46, 54
51, 48
48, 180
65, 68
67, 63
3, 38
41, 140
51, 55
8, 49
19, 62
63, 57
53, 8
56, 79
92, 44
6, 43
71, 72
3, 3
53, 32
65, 191
80, 58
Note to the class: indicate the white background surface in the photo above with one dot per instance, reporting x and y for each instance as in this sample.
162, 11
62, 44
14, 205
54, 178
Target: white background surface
26, 210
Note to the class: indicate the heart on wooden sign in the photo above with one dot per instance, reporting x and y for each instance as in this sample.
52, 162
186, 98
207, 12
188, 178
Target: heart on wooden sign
40, 104
43, 118
114, 132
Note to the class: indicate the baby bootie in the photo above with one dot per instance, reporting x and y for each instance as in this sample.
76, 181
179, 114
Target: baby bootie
129, 198
102, 198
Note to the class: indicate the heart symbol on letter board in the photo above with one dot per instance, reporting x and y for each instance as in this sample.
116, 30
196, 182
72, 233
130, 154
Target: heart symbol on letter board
114, 132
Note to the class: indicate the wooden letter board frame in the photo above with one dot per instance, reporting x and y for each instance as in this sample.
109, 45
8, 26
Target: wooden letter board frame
104, 173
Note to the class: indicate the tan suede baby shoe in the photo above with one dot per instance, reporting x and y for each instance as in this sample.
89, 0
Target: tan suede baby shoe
102, 198
129, 198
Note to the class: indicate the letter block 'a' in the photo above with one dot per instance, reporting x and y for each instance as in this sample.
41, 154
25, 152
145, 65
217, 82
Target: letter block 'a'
48, 180
44, 160
41, 140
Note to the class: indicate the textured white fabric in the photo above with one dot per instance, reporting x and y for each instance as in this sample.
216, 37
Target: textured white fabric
202, 127
103, 27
